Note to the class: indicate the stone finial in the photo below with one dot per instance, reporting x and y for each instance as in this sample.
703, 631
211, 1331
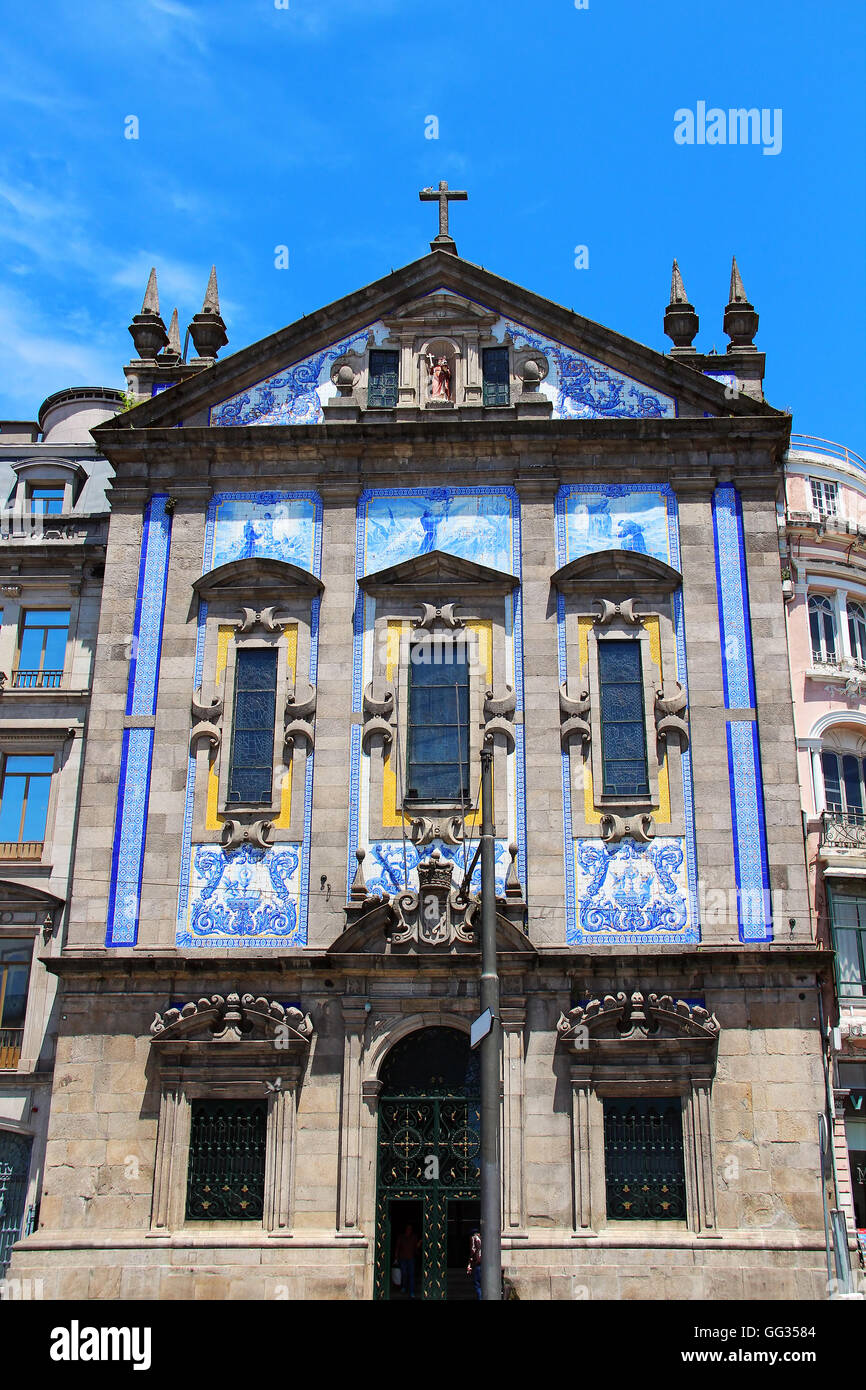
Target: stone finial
147, 328
172, 354
740, 322
207, 329
681, 323
150, 303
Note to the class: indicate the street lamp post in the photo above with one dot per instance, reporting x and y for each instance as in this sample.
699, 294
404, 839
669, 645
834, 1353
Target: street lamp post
491, 1046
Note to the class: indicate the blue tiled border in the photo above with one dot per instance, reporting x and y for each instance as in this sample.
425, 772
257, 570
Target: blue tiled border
264, 498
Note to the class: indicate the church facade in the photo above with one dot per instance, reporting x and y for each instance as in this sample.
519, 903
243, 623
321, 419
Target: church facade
438, 511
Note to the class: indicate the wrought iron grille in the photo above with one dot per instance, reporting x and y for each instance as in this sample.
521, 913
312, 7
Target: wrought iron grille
14, 1169
226, 1176
383, 380
643, 1153
495, 375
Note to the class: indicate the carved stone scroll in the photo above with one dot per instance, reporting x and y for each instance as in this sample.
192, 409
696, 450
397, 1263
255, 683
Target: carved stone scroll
572, 715
670, 707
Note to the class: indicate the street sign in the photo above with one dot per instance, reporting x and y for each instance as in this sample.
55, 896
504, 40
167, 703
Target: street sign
480, 1028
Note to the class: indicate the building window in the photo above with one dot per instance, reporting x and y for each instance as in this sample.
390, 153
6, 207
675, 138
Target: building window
251, 770
857, 633
42, 654
822, 625
24, 797
46, 500
226, 1174
438, 761
823, 497
382, 380
845, 785
643, 1155
848, 918
494, 365
15, 956
623, 725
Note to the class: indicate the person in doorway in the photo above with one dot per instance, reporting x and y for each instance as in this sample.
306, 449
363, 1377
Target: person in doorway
474, 1265
405, 1252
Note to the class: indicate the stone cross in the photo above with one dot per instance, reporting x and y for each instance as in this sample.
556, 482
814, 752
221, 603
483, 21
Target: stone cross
443, 195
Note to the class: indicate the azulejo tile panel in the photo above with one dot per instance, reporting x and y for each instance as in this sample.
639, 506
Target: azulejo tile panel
481, 524
630, 893
584, 389
243, 525
133, 789
580, 387
592, 517
386, 870
754, 905
246, 897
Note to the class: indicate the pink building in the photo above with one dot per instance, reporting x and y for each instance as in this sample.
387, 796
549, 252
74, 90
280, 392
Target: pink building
823, 543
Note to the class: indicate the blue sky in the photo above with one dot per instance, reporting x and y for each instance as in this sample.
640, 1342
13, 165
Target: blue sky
305, 126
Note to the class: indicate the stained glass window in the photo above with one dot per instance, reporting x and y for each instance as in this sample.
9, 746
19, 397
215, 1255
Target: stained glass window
495, 375
383, 380
623, 730
438, 763
251, 766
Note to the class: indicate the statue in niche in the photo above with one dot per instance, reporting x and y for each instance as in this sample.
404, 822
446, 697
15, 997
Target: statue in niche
440, 377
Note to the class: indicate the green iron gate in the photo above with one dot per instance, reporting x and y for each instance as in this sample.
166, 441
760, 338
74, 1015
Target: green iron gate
428, 1149
14, 1171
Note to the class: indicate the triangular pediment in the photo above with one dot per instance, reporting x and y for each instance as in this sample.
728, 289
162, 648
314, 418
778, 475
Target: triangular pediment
440, 570
263, 578
594, 372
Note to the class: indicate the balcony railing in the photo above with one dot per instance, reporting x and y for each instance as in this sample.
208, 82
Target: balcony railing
36, 680
21, 849
811, 444
10, 1046
843, 830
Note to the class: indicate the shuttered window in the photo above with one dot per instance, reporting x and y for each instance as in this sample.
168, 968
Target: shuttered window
382, 382
495, 376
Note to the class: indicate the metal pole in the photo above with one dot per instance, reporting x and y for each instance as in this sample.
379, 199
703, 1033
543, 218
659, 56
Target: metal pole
491, 1190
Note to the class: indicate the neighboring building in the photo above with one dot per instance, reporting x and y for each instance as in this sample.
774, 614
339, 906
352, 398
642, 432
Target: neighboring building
53, 532
825, 544
439, 510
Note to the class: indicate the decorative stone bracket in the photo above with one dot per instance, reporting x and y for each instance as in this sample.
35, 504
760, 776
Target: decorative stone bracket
614, 828
610, 610
498, 714
251, 617
670, 706
432, 613
258, 833
572, 720
298, 716
451, 831
636, 1016
206, 719
377, 716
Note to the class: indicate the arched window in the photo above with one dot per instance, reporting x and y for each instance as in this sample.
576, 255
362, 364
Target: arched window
857, 632
845, 785
822, 625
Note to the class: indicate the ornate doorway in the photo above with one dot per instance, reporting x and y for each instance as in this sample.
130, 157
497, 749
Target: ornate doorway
14, 1168
428, 1175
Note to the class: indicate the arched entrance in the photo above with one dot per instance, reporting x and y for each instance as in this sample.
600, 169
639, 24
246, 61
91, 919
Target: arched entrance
428, 1174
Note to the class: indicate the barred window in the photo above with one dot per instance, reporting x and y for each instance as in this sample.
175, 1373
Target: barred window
226, 1174
252, 751
643, 1155
383, 380
623, 727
